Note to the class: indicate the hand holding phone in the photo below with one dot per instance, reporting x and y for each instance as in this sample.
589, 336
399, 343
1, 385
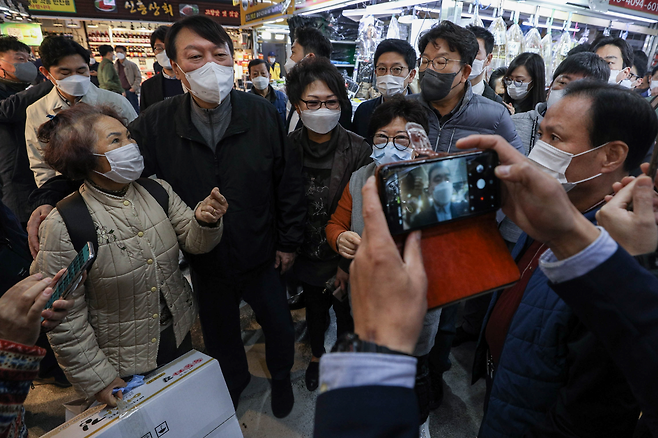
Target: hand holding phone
73, 277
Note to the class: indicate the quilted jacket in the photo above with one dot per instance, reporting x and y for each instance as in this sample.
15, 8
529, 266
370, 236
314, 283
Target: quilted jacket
114, 328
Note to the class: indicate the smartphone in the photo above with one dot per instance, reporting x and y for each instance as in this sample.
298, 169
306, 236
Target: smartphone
70, 281
421, 194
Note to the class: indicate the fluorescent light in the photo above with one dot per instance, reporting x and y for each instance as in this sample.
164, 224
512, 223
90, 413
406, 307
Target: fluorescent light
407, 19
631, 17
266, 35
527, 23
327, 6
279, 36
390, 5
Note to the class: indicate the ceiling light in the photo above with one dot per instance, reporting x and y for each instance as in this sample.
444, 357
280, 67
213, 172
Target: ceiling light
631, 17
279, 36
327, 6
407, 19
92, 25
266, 35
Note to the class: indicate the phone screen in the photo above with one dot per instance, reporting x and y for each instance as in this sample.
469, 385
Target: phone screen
73, 273
420, 194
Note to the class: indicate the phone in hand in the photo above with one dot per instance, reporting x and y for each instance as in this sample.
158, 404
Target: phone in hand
71, 280
424, 193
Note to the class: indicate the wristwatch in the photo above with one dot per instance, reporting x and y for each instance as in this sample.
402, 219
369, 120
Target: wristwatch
350, 343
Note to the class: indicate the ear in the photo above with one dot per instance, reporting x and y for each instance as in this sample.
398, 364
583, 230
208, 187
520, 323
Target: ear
44, 72
615, 156
467, 72
487, 61
298, 109
412, 75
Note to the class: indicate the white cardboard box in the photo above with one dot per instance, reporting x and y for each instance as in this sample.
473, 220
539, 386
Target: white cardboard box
186, 398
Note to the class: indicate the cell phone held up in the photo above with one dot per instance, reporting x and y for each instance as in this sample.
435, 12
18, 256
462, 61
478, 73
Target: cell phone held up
71, 280
424, 193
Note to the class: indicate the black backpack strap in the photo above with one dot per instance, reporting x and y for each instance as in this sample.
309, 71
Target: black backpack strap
77, 219
157, 191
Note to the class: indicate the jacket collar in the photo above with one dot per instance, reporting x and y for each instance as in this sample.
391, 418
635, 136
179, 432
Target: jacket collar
54, 102
468, 96
239, 118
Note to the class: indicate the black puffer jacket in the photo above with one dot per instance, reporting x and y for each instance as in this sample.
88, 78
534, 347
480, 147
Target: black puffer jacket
255, 167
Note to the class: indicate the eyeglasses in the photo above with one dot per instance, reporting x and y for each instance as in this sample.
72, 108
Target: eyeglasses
400, 142
395, 71
317, 104
634, 77
158, 49
437, 63
509, 82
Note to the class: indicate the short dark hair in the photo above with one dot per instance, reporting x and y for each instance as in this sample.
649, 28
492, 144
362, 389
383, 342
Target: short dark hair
618, 114
584, 47
203, 26
459, 40
160, 33
255, 62
121, 47
483, 34
70, 141
438, 166
640, 62
105, 49
54, 48
588, 64
495, 75
313, 41
400, 47
394, 107
534, 63
624, 47
8, 43
654, 70
313, 69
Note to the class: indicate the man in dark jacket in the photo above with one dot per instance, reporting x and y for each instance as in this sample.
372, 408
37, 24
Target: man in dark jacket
259, 75
395, 62
482, 61
164, 85
207, 138
547, 372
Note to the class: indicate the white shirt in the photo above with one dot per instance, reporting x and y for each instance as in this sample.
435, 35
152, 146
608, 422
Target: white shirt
51, 104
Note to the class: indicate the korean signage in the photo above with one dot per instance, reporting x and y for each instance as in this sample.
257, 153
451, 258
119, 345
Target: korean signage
51, 5
253, 11
648, 6
28, 33
222, 11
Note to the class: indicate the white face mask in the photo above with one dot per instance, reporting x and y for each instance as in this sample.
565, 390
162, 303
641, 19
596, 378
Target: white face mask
289, 64
518, 93
126, 164
626, 83
271, 60
478, 88
442, 193
210, 83
476, 69
390, 85
163, 60
75, 85
555, 162
92, 61
261, 82
654, 88
390, 154
121, 56
554, 97
613, 76
321, 120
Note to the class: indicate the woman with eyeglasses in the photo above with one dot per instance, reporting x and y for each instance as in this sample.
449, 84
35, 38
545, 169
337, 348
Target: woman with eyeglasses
525, 83
330, 154
390, 143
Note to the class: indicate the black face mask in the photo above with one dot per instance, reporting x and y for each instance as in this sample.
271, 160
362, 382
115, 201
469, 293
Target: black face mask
436, 86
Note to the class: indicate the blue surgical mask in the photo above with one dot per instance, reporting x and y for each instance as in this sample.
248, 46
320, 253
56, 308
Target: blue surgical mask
390, 154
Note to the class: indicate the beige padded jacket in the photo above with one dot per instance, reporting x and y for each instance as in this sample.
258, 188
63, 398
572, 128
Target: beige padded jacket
114, 328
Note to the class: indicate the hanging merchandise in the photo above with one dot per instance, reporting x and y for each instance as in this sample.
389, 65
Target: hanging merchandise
547, 50
564, 44
393, 29
370, 35
476, 20
584, 37
514, 39
532, 39
499, 31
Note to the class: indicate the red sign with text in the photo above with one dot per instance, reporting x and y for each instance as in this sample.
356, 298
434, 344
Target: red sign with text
648, 6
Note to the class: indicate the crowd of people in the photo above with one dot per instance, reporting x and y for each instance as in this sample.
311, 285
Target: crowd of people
262, 189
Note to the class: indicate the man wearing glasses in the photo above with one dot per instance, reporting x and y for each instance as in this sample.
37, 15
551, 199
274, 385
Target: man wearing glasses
395, 62
454, 112
163, 85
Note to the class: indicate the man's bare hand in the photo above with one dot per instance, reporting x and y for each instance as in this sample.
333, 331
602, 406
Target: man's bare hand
347, 243
389, 292
285, 260
342, 279
37, 216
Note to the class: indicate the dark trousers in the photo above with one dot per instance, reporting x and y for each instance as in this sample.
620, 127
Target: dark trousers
219, 309
167, 350
317, 316
440, 353
475, 310
133, 99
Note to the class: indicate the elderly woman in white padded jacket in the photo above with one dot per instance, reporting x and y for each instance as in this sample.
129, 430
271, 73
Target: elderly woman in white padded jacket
135, 310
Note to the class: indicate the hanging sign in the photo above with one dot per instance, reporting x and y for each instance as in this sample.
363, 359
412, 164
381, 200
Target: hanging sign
27, 33
51, 5
256, 10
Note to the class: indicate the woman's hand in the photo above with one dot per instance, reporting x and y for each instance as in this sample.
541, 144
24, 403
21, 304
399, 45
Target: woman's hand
105, 396
510, 108
347, 243
211, 209
342, 279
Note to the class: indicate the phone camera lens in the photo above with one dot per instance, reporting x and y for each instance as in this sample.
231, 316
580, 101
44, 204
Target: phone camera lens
479, 168
481, 183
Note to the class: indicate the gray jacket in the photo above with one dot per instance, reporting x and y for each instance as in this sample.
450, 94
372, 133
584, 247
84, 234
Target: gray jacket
475, 115
527, 124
